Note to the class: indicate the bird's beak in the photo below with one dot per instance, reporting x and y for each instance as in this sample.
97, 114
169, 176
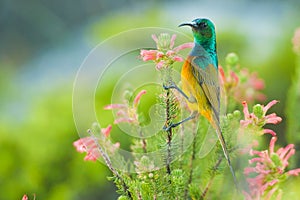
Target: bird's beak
191, 24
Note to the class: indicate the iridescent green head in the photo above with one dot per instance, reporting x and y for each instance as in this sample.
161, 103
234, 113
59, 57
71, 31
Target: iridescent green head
203, 31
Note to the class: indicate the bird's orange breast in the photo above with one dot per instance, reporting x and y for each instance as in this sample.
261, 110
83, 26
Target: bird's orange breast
192, 88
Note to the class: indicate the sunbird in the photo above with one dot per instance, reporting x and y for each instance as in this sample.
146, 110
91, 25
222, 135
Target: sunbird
200, 82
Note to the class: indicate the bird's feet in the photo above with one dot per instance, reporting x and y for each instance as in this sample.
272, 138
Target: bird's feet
170, 86
171, 125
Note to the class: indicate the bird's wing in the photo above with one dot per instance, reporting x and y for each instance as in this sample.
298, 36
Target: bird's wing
207, 76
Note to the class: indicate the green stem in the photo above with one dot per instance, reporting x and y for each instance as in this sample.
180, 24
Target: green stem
144, 142
181, 146
193, 157
169, 132
211, 178
109, 165
169, 106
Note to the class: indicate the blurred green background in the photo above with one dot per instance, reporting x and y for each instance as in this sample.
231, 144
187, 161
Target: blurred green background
42, 45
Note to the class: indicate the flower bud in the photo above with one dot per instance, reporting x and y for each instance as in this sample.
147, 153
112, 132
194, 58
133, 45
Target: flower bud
276, 161
237, 114
230, 116
150, 175
164, 40
232, 59
127, 94
258, 111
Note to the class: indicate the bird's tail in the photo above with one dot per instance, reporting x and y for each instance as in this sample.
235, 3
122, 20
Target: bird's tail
226, 154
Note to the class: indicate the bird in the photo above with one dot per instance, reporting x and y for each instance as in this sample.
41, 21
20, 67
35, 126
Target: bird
200, 82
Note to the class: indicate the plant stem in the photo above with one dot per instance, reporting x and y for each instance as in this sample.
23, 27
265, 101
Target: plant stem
181, 146
192, 158
212, 177
169, 132
169, 106
144, 145
109, 165
144, 142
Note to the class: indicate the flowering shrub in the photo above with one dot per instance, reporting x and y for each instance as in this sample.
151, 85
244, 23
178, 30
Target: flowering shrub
178, 171
165, 55
89, 145
127, 113
240, 83
270, 167
257, 119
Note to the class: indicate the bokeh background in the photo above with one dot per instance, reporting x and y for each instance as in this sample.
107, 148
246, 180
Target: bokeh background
42, 45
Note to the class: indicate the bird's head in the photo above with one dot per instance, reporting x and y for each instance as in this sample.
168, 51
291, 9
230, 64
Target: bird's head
203, 29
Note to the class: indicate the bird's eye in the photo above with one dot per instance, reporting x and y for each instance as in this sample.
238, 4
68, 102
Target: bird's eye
203, 25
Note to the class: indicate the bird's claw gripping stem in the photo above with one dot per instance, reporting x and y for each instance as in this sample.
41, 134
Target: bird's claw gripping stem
174, 86
171, 125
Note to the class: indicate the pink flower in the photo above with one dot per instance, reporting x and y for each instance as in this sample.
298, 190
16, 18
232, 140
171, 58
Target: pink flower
160, 65
240, 83
165, 55
25, 197
148, 55
137, 99
106, 131
172, 42
270, 169
88, 145
188, 45
127, 113
228, 81
259, 118
249, 87
245, 150
294, 172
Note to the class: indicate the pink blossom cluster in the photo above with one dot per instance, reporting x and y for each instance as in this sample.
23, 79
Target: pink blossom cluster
165, 54
89, 145
229, 80
242, 85
126, 112
258, 118
270, 169
249, 87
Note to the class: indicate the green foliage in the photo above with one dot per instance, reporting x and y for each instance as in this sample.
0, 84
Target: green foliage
292, 111
129, 21
37, 156
36, 152
193, 165
293, 106
196, 169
